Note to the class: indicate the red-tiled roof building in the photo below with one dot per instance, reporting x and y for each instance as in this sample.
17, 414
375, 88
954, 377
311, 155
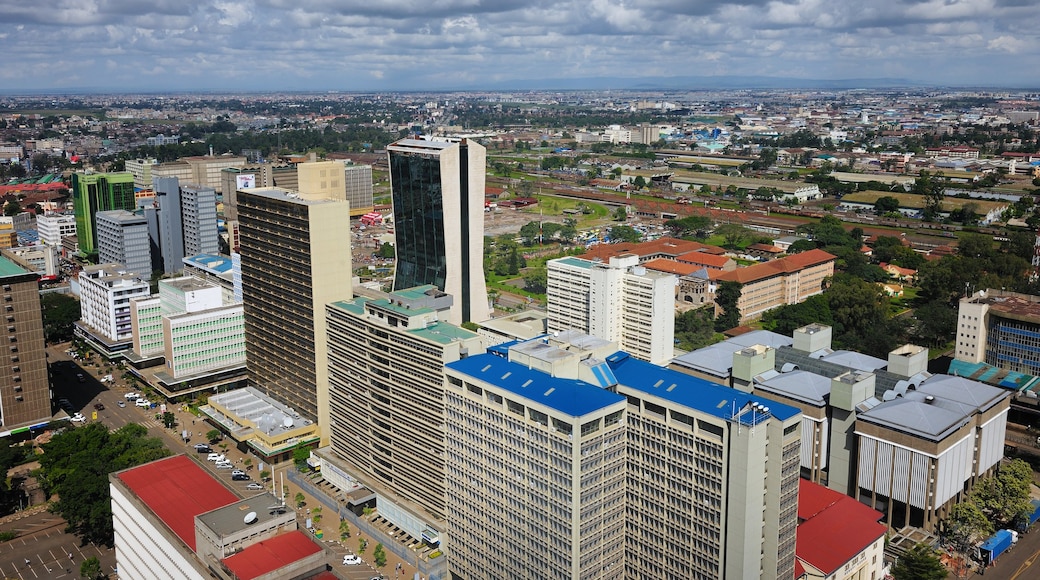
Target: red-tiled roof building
837, 537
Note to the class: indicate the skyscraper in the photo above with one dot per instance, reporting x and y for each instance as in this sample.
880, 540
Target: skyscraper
25, 400
122, 238
94, 192
295, 260
183, 222
438, 197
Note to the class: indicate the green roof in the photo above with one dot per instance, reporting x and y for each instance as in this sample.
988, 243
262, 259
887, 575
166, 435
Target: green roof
578, 262
443, 333
9, 268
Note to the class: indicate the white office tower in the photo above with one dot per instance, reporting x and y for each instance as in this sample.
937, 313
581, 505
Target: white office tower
619, 301
122, 238
567, 458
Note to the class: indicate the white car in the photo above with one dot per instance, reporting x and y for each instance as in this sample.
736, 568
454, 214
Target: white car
78, 418
143, 403
351, 560
131, 396
224, 465
216, 457
254, 486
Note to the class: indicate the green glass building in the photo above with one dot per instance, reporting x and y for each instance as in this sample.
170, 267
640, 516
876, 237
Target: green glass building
94, 192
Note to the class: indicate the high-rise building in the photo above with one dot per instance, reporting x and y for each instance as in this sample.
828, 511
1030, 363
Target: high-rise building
141, 169
612, 467
386, 383
25, 399
438, 197
618, 300
122, 238
295, 260
359, 189
94, 192
183, 222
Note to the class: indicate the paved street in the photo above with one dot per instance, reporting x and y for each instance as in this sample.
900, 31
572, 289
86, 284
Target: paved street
48, 549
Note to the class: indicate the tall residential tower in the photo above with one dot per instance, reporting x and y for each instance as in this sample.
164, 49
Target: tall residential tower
94, 192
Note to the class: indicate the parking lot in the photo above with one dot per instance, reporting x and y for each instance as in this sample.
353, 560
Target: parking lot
50, 552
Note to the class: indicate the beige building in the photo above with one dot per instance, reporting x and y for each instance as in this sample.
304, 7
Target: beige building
386, 384
25, 398
295, 260
776, 283
611, 467
201, 170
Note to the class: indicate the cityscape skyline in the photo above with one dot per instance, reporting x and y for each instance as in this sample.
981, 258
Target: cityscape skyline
476, 44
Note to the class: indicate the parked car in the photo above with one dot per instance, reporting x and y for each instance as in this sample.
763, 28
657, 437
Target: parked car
77, 418
216, 457
131, 396
238, 472
224, 465
351, 560
99, 406
254, 486
143, 403
121, 403
80, 377
240, 477
201, 448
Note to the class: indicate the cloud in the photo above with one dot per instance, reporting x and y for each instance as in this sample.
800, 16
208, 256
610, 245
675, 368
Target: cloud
416, 44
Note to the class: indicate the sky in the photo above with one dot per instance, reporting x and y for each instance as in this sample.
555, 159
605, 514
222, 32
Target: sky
416, 45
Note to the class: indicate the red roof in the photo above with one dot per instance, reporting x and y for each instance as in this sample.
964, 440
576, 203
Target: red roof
270, 555
672, 267
705, 259
833, 528
659, 247
176, 489
788, 265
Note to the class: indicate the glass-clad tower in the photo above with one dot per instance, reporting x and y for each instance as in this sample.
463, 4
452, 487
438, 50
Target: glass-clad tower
94, 192
438, 197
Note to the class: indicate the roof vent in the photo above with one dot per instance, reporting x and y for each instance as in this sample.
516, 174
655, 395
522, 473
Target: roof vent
250, 518
929, 399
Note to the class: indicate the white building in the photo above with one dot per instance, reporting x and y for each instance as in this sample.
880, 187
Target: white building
105, 294
122, 238
141, 169
619, 301
54, 228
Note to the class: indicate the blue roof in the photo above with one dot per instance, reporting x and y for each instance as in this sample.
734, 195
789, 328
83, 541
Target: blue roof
214, 263
687, 390
568, 396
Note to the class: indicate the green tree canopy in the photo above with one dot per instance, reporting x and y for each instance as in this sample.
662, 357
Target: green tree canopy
75, 465
624, 234
695, 226
1005, 496
920, 563
726, 298
60, 312
966, 525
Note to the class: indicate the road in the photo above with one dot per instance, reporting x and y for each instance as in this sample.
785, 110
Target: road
83, 397
48, 549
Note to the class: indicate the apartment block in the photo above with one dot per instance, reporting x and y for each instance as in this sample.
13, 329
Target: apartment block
358, 182
141, 169
618, 300
386, 390
25, 398
182, 222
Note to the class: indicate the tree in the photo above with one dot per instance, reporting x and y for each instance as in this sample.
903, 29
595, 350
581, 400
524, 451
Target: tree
344, 530
12, 208
300, 456
920, 563
300, 499
536, 280
886, 204
733, 234
639, 182
620, 214
966, 524
624, 234
379, 555
169, 420
75, 466
695, 328
800, 246
690, 226
726, 298
60, 312
213, 435
385, 251
935, 323
91, 568
1005, 496
786, 319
